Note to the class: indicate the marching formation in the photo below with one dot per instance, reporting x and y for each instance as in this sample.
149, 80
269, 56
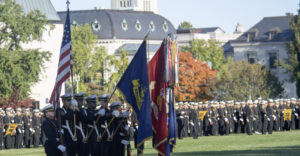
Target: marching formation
91, 130
224, 118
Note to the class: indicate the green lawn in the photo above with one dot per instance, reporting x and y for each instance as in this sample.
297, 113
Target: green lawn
280, 143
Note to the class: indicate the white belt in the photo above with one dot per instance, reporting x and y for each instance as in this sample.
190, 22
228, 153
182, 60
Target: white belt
96, 129
67, 126
80, 129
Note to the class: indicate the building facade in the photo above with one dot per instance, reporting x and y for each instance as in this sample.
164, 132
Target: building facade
265, 43
135, 5
184, 36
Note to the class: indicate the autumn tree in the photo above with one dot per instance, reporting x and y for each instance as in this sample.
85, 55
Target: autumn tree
208, 51
241, 81
196, 79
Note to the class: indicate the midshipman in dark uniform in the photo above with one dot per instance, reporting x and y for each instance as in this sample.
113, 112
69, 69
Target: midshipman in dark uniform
19, 130
67, 121
53, 146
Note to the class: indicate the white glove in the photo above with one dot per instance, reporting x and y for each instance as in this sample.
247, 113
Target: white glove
61, 148
3, 130
61, 131
126, 127
192, 123
125, 142
74, 103
101, 112
132, 129
30, 129
296, 114
126, 114
116, 113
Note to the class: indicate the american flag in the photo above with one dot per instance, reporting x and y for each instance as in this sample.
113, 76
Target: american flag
64, 64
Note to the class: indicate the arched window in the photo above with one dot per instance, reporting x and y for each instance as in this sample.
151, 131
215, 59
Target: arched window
165, 26
152, 26
96, 25
124, 25
138, 26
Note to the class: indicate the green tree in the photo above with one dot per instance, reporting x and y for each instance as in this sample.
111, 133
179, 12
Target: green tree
120, 65
209, 51
292, 64
185, 25
83, 44
241, 80
19, 68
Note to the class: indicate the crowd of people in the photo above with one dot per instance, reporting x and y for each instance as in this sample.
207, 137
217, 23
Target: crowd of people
28, 131
224, 118
89, 126
92, 126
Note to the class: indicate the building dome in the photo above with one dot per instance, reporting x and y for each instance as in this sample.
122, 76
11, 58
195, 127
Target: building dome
122, 24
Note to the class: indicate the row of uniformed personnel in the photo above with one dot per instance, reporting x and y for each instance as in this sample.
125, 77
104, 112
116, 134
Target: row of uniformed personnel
224, 118
28, 131
81, 134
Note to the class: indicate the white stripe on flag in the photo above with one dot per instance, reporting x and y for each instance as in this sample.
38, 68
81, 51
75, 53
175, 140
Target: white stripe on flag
62, 74
65, 48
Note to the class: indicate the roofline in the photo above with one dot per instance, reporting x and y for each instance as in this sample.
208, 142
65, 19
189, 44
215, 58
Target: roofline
272, 17
129, 11
196, 29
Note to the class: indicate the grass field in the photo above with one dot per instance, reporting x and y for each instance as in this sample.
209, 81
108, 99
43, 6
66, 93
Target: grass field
277, 144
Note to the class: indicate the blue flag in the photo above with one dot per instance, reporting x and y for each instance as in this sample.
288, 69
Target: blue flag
134, 86
171, 142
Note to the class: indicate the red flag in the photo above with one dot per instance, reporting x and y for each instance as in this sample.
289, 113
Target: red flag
157, 87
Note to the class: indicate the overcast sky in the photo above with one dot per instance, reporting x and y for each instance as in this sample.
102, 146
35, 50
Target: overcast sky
205, 13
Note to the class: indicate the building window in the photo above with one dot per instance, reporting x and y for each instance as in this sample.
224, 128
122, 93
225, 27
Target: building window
96, 25
128, 3
124, 25
121, 4
251, 36
252, 57
152, 26
74, 23
272, 60
165, 26
272, 34
138, 26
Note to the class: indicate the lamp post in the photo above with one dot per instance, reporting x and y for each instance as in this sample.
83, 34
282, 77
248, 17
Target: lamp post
77, 79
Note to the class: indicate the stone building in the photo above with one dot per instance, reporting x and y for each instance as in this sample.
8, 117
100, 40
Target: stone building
265, 43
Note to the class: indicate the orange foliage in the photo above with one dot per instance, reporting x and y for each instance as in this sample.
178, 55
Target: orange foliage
196, 79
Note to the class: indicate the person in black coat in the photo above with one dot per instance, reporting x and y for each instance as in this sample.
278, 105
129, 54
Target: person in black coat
36, 126
67, 113
8, 119
53, 145
81, 125
27, 128
19, 130
194, 122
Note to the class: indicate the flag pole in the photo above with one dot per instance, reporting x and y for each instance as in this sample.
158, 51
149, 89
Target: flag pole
72, 86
